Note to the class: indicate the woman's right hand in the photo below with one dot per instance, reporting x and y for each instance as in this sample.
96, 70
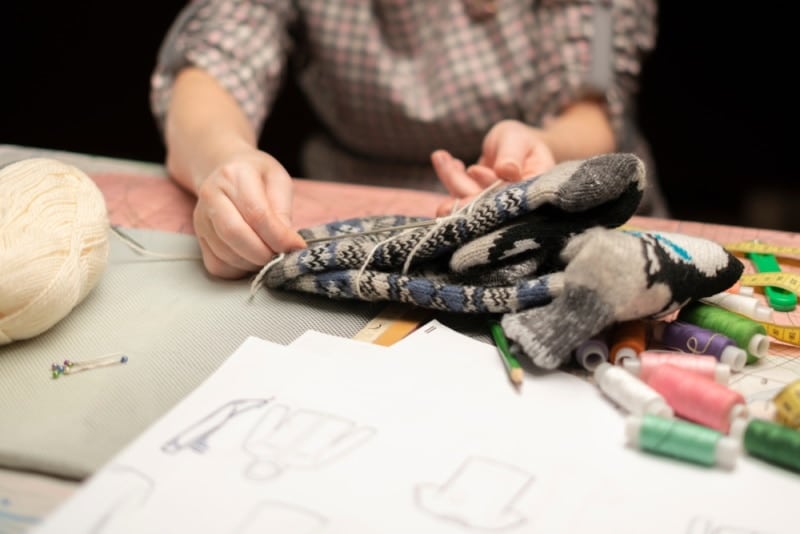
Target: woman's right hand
242, 218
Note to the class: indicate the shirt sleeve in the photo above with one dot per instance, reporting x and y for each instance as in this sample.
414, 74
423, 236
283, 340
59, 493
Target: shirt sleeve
243, 44
596, 47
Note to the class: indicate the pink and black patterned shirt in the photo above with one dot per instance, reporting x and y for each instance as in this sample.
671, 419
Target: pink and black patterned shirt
393, 80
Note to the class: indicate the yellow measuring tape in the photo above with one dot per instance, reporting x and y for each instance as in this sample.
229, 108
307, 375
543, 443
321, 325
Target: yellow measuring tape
787, 403
787, 334
764, 248
783, 280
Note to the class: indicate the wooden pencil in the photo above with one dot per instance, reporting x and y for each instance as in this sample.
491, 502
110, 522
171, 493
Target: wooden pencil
515, 371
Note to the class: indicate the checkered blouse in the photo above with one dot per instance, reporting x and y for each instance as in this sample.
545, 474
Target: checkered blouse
396, 79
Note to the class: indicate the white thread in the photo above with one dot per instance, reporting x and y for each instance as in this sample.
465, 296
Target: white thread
257, 282
364, 265
405, 228
630, 393
460, 214
53, 244
132, 244
417, 224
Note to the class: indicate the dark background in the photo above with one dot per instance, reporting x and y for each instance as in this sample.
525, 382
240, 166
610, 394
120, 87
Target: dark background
715, 105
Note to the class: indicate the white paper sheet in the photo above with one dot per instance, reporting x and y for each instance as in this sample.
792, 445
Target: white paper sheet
337, 436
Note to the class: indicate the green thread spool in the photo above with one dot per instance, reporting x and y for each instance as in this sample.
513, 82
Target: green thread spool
748, 334
775, 443
681, 439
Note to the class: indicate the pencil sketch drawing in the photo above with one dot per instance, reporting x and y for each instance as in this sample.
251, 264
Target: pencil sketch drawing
121, 492
480, 494
274, 516
299, 439
704, 525
196, 435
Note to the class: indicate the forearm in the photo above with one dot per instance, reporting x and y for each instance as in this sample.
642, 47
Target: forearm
580, 131
203, 125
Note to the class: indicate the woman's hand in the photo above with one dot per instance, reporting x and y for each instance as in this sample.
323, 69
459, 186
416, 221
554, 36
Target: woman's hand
242, 218
512, 151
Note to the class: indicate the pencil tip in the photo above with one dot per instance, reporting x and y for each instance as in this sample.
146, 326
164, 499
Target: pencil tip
517, 377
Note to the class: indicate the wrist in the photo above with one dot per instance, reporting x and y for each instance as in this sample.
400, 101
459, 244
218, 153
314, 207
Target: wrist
580, 131
196, 158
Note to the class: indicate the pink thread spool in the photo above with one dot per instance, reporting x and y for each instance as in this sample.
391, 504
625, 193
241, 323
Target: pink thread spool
704, 365
696, 398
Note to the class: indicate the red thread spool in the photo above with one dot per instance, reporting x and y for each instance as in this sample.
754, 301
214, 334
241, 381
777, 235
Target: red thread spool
697, 398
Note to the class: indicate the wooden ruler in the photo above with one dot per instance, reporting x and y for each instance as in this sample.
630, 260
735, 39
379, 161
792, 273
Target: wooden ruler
392, 324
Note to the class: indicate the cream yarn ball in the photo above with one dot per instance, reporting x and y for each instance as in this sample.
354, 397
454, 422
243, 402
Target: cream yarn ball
53, 244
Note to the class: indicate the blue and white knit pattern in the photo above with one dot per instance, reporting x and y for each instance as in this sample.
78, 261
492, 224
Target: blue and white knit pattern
491, 257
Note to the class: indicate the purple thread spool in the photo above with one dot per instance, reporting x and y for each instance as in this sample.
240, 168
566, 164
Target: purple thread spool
686, 337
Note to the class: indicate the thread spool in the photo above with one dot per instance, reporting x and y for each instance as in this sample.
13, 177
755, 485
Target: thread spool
629, 392
53, 244
787, 405
591, 353
687, 337
748, 334
682, 440
748, 306
697, 398
773, 442
627, 340
739, 289
701, 364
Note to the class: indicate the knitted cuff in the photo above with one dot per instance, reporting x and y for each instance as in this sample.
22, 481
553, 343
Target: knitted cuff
613, 276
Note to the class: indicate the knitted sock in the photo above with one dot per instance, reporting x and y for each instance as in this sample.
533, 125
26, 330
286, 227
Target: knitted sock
493, 256
613, 276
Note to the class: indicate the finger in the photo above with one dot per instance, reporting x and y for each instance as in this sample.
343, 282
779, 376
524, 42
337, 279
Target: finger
452, 173
512, 151
216, 266
265, 203
215, 228
537, 164
482, 175
447, 207
219, 221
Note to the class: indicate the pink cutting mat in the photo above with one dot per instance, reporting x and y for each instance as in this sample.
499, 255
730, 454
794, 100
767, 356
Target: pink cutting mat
141, 201
138, 201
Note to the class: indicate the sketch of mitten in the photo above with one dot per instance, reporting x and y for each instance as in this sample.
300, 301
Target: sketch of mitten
481, 493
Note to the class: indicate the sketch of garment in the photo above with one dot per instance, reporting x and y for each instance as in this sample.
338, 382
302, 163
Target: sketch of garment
703, 525
196, 436
480, 495
302, 439
273, 516
121, 491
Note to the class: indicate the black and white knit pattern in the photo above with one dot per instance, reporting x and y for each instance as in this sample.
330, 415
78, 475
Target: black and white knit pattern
614, 276
490, 257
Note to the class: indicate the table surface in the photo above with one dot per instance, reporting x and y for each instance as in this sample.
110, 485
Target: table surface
140, 195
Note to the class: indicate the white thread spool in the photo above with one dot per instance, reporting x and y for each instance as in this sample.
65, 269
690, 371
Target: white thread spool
629, 392
53, 244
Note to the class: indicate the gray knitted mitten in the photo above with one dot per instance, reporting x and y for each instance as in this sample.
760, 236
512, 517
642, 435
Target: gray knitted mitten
495, 256
613, 276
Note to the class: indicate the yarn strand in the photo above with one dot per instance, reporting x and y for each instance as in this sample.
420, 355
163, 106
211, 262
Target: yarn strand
141, 249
